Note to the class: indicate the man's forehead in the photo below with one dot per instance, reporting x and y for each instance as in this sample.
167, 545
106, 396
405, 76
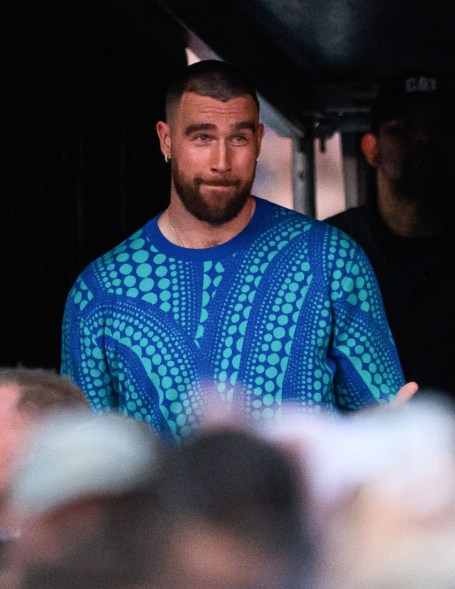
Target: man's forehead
430, 111
194, 105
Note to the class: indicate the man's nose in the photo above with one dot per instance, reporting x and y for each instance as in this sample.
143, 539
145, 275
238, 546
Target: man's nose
221, 157
422, 134
429, 128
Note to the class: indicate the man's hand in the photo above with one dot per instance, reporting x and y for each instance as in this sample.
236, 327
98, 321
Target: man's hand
406, 392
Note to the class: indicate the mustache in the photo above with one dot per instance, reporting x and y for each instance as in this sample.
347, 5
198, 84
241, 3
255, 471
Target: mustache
219, 182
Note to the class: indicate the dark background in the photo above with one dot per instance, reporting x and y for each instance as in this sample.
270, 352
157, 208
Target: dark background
81, 88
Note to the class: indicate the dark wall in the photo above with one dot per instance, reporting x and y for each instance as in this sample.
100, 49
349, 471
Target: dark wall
81, 87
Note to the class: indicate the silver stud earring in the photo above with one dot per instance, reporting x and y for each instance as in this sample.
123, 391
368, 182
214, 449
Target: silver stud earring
166, 159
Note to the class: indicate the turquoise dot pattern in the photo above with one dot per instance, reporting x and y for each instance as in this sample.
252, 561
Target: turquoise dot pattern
288, 313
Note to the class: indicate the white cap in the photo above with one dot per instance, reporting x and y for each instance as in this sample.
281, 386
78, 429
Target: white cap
76, 455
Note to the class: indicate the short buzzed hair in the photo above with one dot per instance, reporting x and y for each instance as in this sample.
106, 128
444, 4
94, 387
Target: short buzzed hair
41, 390
212, 78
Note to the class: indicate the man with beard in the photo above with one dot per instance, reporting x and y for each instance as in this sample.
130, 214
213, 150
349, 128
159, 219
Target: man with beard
225, 297
406, 228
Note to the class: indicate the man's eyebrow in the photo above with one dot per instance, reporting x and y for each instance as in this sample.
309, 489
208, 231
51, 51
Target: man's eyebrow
245, 125
199, 127
211, 127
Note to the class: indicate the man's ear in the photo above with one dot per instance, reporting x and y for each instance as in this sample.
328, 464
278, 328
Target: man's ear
260, 136
164, 135
369, 145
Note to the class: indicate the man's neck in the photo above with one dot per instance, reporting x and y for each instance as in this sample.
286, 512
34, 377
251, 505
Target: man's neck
181, 228
403, 217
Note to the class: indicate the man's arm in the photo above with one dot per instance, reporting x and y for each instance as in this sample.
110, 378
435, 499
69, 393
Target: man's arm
83, 360
368, 367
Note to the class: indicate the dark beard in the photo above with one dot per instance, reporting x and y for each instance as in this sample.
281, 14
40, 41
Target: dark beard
214, 213
427, 178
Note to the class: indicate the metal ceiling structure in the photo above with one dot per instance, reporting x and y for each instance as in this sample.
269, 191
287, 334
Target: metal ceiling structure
320, 60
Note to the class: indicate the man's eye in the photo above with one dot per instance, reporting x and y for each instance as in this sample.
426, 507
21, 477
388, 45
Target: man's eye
394, 127
202, 137
239, 139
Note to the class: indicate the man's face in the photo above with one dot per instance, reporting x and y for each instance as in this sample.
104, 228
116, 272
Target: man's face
416, 153
214, 147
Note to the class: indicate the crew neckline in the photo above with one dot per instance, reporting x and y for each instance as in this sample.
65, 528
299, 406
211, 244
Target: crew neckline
239, 241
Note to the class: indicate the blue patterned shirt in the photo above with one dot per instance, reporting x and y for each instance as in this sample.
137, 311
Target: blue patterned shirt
288, 312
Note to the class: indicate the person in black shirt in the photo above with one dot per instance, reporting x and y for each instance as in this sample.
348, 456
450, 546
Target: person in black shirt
406, 229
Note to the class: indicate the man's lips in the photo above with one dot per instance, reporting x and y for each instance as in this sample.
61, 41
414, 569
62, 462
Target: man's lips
219, 186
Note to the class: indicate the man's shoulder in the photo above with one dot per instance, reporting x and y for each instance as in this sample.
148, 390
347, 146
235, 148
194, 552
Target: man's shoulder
274, 214
124, 252
366, 227
278, 215
349, 215
350, 219
115, 263
292, 229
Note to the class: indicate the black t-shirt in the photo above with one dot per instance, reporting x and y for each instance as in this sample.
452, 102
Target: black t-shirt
417, 281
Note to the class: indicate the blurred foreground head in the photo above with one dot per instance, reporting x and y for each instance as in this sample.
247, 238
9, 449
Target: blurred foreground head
234, 514
382, 484
26, 394
398, 526
78, 496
